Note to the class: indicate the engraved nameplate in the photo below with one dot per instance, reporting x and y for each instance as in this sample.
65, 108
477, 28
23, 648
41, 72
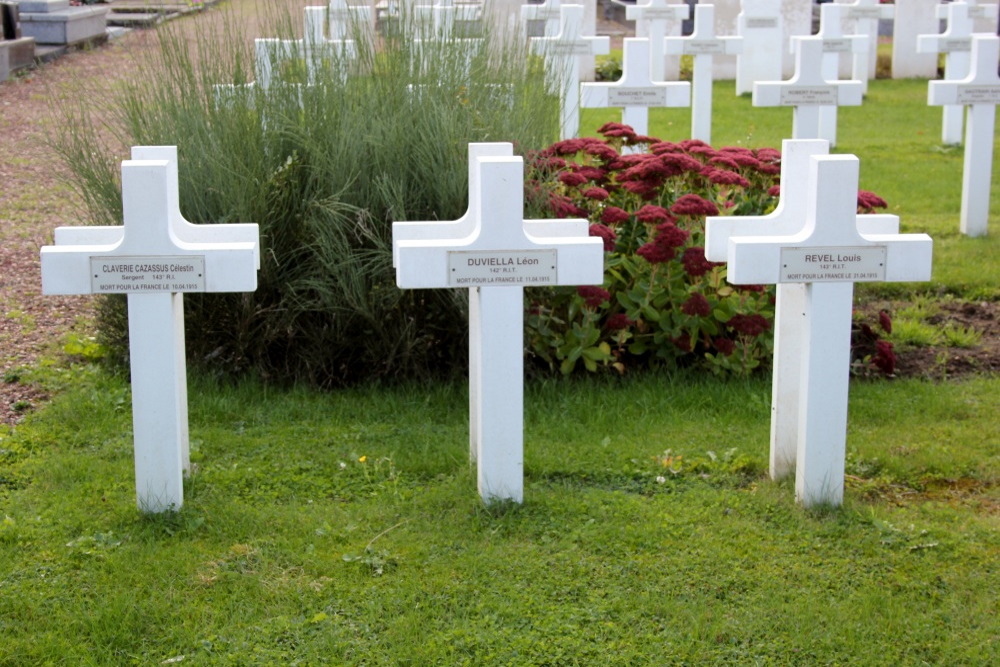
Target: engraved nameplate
827, 265
955, 44
470, 268
863, 13
137, 275
973, 94
836, 46
704, 46
637, 97
660, 13
809, 96
570, 49
761, 22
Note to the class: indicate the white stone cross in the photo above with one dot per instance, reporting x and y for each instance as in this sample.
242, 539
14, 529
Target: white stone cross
154, 259
464, 227
829, 255
498, 259
636, 91
980, 91
657, 19
442, 15
789, 336
760, 25
344, 21
562, 54
835, 42
956, 43
807, 91
861, 17
547, 11
703, 44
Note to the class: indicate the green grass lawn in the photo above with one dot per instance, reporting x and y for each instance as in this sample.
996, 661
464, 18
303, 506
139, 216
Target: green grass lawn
344, 527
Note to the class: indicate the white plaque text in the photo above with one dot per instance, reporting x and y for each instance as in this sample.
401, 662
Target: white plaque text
762, 22
704, 46
829, 265
809, 96
637, 97
973, 94
471, 268
137, 275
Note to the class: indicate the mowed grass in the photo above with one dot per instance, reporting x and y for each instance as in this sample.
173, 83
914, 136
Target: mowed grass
345, 528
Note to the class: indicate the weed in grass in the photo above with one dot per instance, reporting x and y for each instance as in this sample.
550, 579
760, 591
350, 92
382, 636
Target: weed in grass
956, 335
915, 333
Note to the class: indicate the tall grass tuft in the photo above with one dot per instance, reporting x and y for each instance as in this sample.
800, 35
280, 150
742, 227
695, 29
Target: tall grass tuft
324, 159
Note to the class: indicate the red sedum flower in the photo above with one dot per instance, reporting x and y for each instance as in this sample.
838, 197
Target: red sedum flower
593, 296
693, 205
612, 215
697, 305
607, 234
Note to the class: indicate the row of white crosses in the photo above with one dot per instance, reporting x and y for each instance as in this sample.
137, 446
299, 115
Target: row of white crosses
495, 253
814, 247
656, 20
861, 17
562, 54
154, 258
956, 43
442, 15
980, 92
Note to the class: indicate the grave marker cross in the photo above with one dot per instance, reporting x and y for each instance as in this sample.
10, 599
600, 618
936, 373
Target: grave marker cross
498, 259
956, 43
760, 25
464, 227
807, 91
789, 338
657, 19
703, 44
828, 255
155, 258
636, 91
980, 91
861, 18
562, 53
835, 42
547, 11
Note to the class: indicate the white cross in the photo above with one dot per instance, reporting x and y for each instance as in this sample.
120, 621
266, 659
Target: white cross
956, 43
442, 16
703, 44
547, 11
464, 227
498, 259
344, 20
807, 91
789, 338
829, 255
760, 25
562, 53
980, 91
155, 258
835, 42
861, 18
636, 91
657, 19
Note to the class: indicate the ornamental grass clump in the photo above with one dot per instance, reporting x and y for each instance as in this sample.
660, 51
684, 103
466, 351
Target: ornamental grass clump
324, 158
662, 301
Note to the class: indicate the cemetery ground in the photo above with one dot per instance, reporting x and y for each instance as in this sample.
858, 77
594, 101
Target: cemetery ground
345, 526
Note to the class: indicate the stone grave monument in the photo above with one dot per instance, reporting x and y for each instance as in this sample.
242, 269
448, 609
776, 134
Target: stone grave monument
562, 55
789, 336
980, 92
499, 258
956, 43
154, 258
636, 91
704, 45
807, 91
17, 52
463, 228
761, 26
913, 18
828, 254
55, 22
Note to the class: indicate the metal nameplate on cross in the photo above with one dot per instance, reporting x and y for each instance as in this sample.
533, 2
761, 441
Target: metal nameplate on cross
154, 258
497, 257
561, 53
703, 44
833, 254
980, 92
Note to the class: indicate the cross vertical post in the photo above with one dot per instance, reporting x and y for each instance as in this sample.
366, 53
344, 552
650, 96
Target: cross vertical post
655, 20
